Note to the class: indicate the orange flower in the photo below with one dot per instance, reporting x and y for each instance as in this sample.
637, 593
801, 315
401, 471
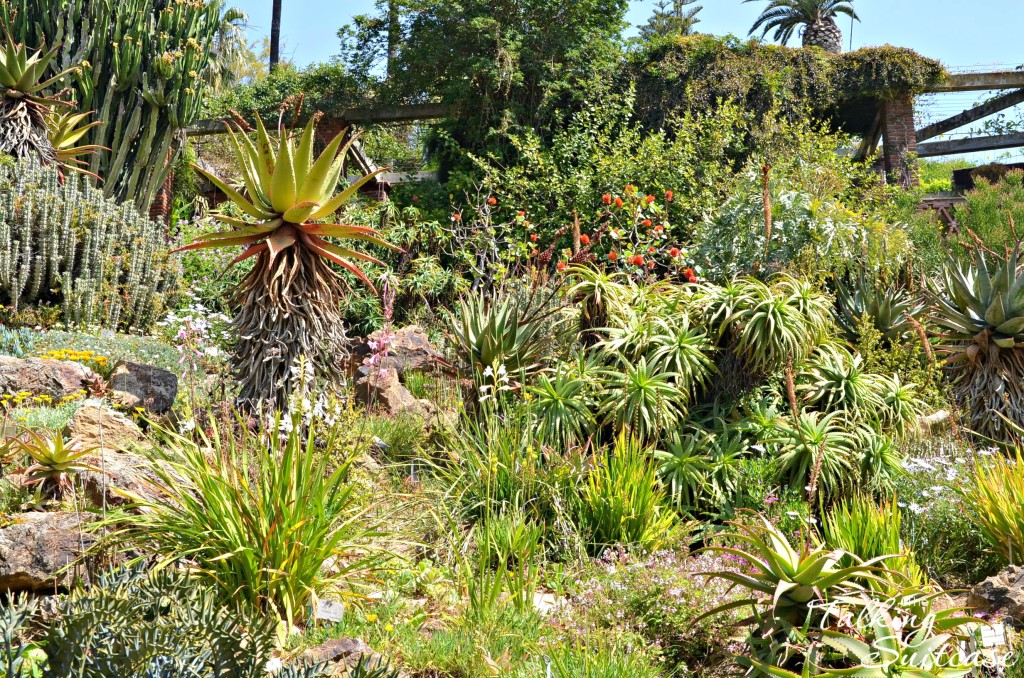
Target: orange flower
650, 199
669, 195
674, 252
618, 202
585, 239
646, 223
638, 260
457, 217
561, 266
612, 256
492, 201
606, 199
520, 213
650, 250
533, 237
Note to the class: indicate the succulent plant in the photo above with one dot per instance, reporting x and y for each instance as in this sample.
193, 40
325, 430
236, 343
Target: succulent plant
54, 460
288, 304
889, 309
63, 244
23, 107
141, 64
980, 308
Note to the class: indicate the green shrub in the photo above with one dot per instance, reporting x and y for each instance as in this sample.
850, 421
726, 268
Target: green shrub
988, 213
258, 518
63, 243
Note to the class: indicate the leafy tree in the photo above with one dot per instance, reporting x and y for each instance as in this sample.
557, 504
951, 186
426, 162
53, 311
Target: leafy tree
503, 65
671, 17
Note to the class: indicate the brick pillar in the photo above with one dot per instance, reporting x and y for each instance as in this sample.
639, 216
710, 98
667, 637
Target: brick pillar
160, 208
899, 145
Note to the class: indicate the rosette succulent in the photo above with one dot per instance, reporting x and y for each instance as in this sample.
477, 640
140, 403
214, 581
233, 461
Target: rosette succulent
287, 306
980, 307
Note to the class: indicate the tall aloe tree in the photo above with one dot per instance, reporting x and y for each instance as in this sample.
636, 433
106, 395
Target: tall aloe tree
816, 17
287, 306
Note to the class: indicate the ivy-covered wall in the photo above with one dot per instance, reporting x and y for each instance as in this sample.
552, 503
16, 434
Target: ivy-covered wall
697, 72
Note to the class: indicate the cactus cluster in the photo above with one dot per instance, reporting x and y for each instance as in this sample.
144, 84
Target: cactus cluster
64, 243
140, 72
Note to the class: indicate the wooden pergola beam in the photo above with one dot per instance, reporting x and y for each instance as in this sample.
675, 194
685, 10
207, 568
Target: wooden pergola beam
971, 115
384, 114
977, 82
970, 145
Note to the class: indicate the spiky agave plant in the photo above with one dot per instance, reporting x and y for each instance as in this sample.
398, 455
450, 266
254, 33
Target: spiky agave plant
287, 306
23, 107
981, 310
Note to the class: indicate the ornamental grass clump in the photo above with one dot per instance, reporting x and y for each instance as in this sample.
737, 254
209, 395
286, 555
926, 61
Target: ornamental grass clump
266, 518
995, 498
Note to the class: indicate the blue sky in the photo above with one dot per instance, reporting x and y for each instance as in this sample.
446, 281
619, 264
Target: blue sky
956, 32
975, 35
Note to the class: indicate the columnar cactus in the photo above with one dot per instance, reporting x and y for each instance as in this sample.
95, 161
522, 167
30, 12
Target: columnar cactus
141, 63
64, 243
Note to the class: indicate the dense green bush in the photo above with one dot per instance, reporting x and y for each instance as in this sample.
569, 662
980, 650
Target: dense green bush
994, 214
702, 71
62, 243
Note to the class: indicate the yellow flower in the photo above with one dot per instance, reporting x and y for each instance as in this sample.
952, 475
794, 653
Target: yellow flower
371, 618
389, 628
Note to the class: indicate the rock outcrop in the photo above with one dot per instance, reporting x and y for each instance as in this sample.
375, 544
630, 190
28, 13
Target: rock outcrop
38, 551
134, 385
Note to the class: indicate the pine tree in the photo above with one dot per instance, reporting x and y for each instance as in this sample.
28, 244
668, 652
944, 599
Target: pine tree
671, 17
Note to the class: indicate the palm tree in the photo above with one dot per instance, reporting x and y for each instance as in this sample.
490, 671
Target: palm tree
230, 52
275, 34
816, 16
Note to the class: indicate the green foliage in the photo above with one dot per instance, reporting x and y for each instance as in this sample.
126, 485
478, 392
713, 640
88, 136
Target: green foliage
54, 460
17, 342
979, 309
508, 66
995, 497
699, 72
564, 407
769, 326
936, 528
327, 87
493, 333
623, 502
140, 72
598, 658
808, 234
818, 451
869, 529
601, 149
139, 624
258, 518
993, 211
63, 243
889, 309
